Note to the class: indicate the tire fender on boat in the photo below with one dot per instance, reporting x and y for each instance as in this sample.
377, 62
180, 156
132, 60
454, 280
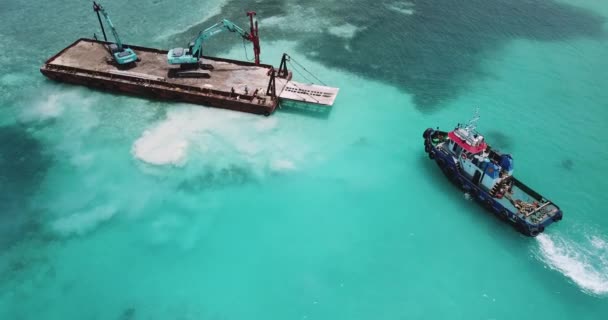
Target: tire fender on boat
427, 133
427, 148
450, 170
460, 183
474, 192
432, 155
521, 227
441, 163
489, 204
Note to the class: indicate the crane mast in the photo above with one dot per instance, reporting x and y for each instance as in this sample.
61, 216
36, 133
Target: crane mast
254, 37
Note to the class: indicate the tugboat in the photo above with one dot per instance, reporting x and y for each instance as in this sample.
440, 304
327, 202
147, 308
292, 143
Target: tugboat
486, 175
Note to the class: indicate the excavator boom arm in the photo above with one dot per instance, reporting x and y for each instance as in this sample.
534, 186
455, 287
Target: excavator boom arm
192, 55
213, 30
234, 28
98, 7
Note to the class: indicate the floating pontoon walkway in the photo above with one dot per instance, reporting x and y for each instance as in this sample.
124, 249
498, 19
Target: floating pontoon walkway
309, 97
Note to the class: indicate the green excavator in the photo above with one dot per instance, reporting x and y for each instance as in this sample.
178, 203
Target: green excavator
189, 58
121, 55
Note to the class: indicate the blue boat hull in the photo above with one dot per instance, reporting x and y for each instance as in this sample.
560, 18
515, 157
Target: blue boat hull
445, 162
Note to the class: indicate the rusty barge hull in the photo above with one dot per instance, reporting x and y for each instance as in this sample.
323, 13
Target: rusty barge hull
85, 62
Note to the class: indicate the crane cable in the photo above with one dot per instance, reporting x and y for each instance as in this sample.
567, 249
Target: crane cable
245, 49
298, 71
301, 66
295, 85
305, 77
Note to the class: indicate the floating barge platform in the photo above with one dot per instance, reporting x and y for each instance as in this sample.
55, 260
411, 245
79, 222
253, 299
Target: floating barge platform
232, 84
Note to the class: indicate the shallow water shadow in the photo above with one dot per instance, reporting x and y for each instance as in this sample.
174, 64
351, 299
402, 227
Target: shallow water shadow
432, 49
23, 166
498, 140
127, 314
567, 164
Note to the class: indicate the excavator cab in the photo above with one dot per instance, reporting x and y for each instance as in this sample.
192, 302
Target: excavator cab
178, 52
124, 56
181, 56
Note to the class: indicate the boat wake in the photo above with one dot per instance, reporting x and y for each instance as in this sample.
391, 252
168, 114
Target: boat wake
585, 263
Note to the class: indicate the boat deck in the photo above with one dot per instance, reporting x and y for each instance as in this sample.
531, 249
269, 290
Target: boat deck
545, 209
225, 75
85, 62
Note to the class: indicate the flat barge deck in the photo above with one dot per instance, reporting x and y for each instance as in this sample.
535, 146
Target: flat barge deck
232, 84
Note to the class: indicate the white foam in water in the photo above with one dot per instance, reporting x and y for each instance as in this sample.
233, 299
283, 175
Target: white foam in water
585, 264
402, 7
80, 223
273, 21
168, 141
282, 165
51, 107
300, 19
206, 14
218, 138
54, 104
165, 144
598, 242
346, 31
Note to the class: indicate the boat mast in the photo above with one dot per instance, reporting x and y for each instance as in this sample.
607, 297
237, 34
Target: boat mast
472, 124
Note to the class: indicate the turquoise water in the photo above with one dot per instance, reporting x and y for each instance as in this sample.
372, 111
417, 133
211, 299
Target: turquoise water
116, 207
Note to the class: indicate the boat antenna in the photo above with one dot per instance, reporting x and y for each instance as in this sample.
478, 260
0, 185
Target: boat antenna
472, 125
